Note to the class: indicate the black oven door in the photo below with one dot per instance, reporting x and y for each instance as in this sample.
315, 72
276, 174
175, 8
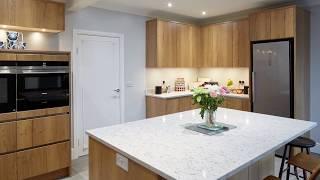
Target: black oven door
42, 90
7, 87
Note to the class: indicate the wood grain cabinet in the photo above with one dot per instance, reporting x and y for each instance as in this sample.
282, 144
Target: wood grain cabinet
33, 15
38, 161
171, 44
241, 44
225, 44
8, 137
273, 24
237, 104
160, 106
8, 166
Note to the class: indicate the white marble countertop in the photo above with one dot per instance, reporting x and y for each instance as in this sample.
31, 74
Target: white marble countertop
164, 146
176, 94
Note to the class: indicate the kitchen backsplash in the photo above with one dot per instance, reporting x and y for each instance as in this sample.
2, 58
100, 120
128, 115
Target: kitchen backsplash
155, 76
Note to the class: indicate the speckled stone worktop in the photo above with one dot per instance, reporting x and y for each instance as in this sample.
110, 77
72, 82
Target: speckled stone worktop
164, 146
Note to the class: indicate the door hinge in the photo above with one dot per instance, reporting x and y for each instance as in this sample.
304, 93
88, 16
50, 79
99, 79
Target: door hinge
77, 50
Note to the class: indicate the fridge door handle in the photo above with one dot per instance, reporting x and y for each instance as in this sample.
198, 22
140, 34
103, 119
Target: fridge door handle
253, 86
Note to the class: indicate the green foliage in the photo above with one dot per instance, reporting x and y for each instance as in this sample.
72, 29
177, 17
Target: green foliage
205, 101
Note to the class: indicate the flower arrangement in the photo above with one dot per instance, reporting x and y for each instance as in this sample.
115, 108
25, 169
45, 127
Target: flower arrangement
209, 98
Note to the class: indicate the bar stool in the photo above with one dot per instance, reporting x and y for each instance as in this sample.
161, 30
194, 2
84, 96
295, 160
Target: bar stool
306, 162
301, 142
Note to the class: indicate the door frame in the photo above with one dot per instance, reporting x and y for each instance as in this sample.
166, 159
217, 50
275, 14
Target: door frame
75, 110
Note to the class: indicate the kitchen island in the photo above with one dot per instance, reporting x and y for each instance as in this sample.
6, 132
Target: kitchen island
161, 147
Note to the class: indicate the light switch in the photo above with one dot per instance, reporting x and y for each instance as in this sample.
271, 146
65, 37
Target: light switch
122, 162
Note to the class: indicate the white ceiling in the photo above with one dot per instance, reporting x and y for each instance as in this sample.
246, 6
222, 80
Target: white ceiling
184, 8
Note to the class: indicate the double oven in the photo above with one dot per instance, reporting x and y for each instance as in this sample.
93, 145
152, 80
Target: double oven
33, 85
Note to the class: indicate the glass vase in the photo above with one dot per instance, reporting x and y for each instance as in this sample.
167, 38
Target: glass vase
210, 118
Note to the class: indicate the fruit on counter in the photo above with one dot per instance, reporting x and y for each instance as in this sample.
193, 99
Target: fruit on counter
229, 83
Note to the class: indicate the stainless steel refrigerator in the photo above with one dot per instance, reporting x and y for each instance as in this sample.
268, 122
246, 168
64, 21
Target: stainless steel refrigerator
272, 78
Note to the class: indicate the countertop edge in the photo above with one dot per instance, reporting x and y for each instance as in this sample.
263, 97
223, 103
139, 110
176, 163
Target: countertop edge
160, 96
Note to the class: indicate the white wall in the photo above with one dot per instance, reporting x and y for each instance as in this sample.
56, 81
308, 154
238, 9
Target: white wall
133, 28
36, 40
315, 73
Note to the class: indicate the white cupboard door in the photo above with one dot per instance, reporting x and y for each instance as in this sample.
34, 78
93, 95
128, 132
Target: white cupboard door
98, 84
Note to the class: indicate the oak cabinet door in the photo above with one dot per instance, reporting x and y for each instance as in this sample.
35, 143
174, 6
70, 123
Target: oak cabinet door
28, 13
24, 134
260, 26
241, 44
58, 156
172, 105
8, 137
51, 129
185, 103
53, 16
195, 46
282, 23
155, 107
166, 44
224, 45
184, 45
8, 166
209, 46
32, 163
8, 57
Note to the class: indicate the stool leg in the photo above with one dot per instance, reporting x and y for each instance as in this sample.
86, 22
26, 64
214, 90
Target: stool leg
304, 172
289, 167
282, 161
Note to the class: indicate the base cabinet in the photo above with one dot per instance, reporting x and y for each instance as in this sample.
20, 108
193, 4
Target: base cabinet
237, 104
159, 106
39, 161
8, 167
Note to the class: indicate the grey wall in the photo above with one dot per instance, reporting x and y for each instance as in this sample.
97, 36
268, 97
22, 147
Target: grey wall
133, 28
315, 73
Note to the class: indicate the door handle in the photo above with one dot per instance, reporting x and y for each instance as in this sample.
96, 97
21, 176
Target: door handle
116, 90
253, 86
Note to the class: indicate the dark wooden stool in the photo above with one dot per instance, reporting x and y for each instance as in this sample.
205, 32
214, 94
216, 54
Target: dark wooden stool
306, 162
301, 142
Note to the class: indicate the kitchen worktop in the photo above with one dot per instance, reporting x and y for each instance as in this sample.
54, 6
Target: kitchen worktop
176, 94
164, 146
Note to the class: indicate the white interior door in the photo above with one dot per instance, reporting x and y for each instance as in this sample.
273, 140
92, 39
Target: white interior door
97, 88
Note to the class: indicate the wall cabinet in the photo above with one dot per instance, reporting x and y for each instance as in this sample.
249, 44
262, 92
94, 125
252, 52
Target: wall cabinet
171, 44
273, 24
226, 44
33, 15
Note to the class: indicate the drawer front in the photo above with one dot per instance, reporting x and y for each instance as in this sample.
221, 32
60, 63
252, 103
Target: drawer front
58, 156
29, 57
61, 57
39, 161
8, 57
8, 137
24, 134
50, 129
32, 163
42, 112
8, 166
8, 117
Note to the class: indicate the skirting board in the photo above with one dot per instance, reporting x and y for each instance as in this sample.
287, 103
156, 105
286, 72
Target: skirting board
316, 149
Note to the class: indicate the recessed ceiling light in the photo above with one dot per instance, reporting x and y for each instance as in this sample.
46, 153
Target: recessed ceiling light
169, 4
204, 13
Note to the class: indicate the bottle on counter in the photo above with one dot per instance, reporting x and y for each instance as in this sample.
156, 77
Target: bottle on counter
164, 87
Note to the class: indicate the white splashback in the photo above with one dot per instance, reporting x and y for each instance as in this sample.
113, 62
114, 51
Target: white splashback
223, 74
155, 76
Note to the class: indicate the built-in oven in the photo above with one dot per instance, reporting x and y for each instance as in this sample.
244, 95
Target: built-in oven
42, 85
7, 87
